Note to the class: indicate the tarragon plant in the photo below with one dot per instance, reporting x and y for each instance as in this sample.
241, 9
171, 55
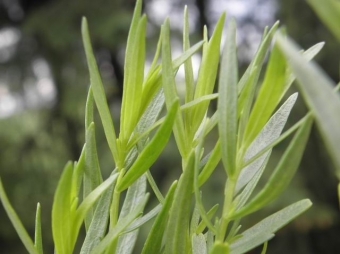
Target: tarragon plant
250, 119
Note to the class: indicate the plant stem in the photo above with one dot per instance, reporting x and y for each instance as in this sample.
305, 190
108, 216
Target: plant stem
227, 208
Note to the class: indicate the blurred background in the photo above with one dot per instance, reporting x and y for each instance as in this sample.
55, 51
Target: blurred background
43, 86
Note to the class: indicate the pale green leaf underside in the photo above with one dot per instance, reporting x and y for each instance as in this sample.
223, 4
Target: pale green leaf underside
317, 90
263, 231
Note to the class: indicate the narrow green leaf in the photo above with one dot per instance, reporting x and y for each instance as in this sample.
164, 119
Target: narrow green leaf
198, 196
210, 214
317, 90
255, 235
154, 187
38, 236
89, 109
207, 74
153, 243
309, 54
151, 151
150, 115
282, 174
120, 226
169, 87
78, 172
248, 83
154, 65
133, 80
269, 95
177, 240
144, 219
227, 101
19, 228
99, 93
189, 75
99, 223
243, 197
259, 57
199, 245
197, 101
329, 12
89, 201
211, 164
61, 212
154, 80
177, 62
92, 176
135, 194
252, 242
270, 132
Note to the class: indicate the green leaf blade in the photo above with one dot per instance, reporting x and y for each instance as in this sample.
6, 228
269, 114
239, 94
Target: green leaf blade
269, 95
151, 151
61, 212
282, 174
178, 240
227, 101
207, 74
98, 92
17, 224
38, 236
263, 231
153, 243
317, 90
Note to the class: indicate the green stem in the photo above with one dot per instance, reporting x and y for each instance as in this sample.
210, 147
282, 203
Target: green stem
114, 211
227, 208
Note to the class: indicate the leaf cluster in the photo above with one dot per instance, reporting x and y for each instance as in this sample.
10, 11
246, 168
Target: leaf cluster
250, 120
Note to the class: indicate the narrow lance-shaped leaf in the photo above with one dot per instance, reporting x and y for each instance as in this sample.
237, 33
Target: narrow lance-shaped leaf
78, 173
133, 81
92, 176
178, 240
135, 194
38, 236
99, 93
282, 174
252, 236
270, 132
151, 151
119, 227
169, 87
309, 54
207, 74
19, 228
227, 101
144, 219
211, 164
61, 212
202, 225
269, 95
154, 81
189, 76
133, 73
317, 90
99, 222
90, 200
259, 57
153, 243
